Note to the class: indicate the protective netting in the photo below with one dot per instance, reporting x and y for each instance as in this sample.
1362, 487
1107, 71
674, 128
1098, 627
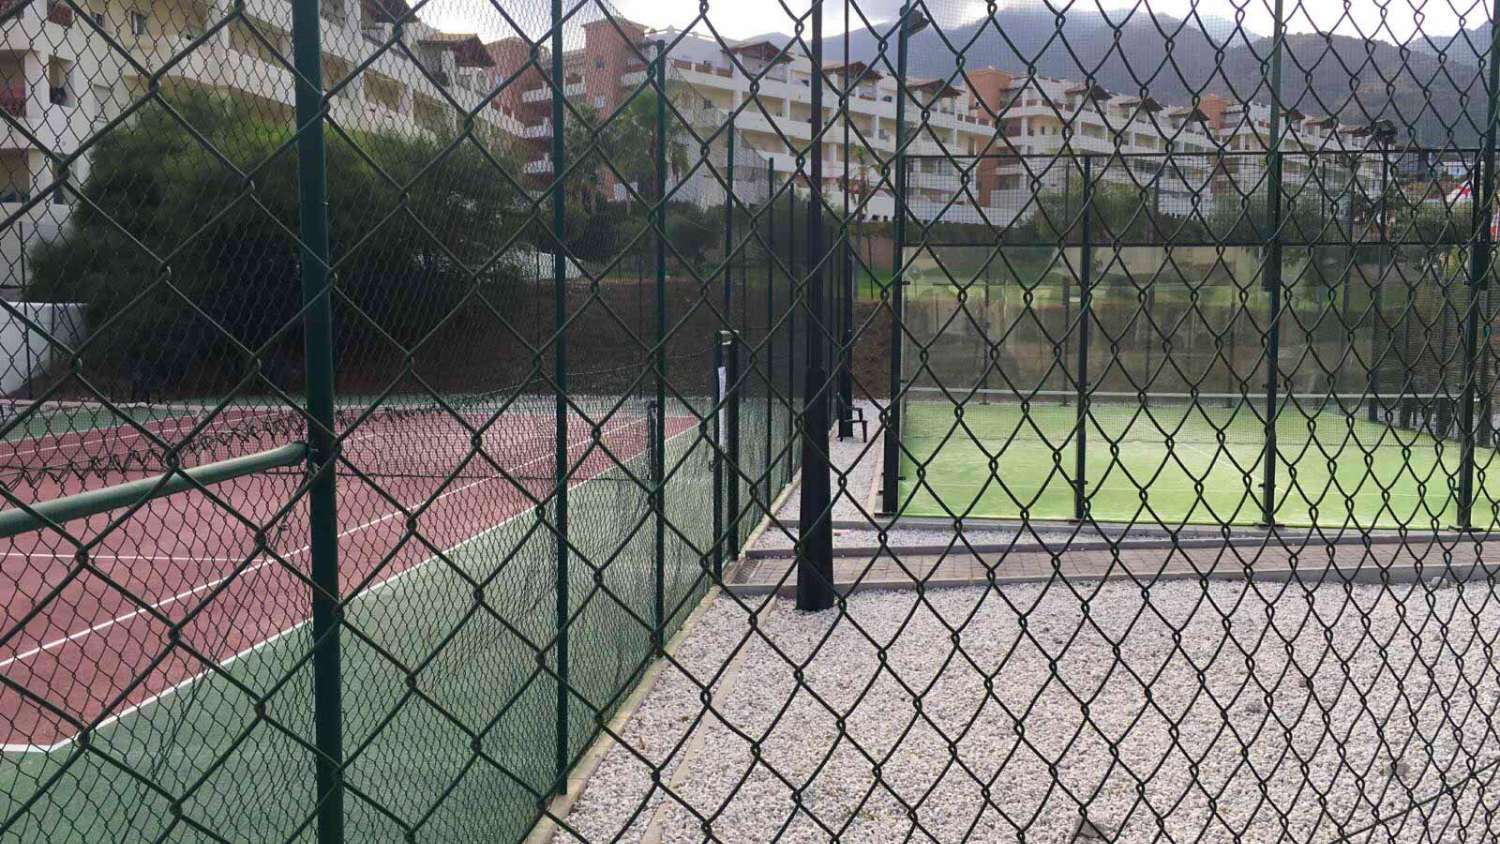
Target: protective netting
416, 415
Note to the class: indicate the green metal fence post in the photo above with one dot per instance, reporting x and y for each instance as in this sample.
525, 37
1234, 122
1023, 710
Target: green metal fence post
846, 286
814, 524
1383, 229
717, 439
312, 178
791, 318
721, 477
1271, 275
895, 290
1479, 276
732, 439
659, 449
770, 343
770, 321
1085, 311
560, 387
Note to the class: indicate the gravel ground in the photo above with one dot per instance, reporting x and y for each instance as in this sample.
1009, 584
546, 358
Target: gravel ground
1225, 712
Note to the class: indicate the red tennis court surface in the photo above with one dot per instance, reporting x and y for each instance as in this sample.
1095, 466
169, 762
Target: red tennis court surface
180, 586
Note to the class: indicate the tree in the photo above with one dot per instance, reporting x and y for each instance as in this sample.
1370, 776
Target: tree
186, 256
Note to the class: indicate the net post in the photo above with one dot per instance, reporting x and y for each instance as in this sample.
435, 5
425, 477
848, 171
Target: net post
560, 393
1479, 272
1085, 304
312, 178
1271, 275
895, 289
732, 390
814, 529
659, 353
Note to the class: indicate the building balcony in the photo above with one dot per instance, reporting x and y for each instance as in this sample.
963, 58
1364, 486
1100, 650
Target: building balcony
537, 130
543, 93
539, 167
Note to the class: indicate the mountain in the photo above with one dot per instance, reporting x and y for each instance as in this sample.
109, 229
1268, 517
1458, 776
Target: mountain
1357, 79
1363, 80
1465, 46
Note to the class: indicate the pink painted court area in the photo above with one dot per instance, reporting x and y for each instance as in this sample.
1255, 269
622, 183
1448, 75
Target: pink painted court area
135, 605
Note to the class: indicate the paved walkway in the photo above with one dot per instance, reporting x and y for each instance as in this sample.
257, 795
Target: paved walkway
1364, 560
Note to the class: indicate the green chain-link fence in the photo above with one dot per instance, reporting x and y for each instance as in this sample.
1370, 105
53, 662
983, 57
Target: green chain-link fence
409, 406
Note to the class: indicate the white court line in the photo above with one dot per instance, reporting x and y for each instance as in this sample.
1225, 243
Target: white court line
47, 748
165, 602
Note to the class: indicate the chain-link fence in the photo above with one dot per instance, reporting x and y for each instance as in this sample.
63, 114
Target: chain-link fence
417, 417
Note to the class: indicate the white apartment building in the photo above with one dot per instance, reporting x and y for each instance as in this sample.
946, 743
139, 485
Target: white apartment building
1029, 131
62, 81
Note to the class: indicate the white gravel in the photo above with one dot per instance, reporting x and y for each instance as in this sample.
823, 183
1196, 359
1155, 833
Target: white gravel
1232, 711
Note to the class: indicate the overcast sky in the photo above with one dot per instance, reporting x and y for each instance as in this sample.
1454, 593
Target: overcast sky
1391, 20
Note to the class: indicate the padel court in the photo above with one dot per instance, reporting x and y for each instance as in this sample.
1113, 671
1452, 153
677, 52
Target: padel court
1180, 459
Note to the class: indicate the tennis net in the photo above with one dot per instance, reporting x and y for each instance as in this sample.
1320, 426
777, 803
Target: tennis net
467, 435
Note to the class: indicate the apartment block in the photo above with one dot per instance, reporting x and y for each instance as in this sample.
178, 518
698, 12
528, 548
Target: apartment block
65, 75
982, 148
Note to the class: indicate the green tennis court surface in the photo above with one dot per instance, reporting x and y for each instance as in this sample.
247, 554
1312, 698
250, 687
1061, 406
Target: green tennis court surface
1182, 461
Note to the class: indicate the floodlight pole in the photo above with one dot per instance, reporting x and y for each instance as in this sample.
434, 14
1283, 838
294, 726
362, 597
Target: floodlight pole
1271, 278
815, 530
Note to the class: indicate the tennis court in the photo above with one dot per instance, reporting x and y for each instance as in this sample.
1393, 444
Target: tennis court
177, 636
1183, 459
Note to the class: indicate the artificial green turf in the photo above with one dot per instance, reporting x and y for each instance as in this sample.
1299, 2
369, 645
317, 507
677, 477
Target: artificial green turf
449, 718
1170, 466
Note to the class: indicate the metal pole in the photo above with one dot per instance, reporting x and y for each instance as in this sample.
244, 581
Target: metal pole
720, 382
659, 448
791, 321
770, 344
732, 439
1272, 276
1376, 330
312, 179
846, 315
1060, 348
891, 467
733, 475
1479, 275
560, 394
718, 357
1085, 305
814, 528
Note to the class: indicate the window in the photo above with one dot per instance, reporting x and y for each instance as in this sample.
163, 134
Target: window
137, 23
599, 63
707, 103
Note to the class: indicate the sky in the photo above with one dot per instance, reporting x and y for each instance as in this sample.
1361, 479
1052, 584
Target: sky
1390, 20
